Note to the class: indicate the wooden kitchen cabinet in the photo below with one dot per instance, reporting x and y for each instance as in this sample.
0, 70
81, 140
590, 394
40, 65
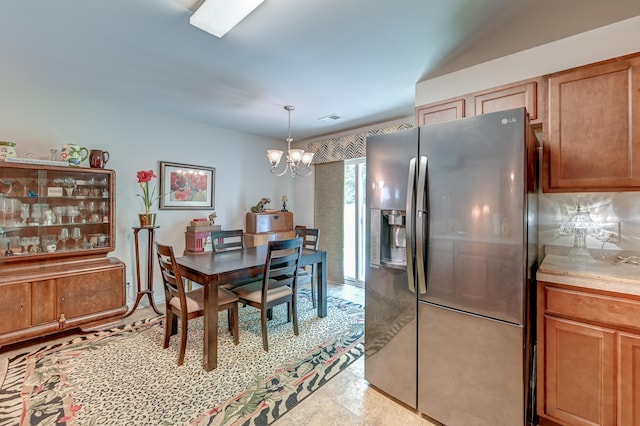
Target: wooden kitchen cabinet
592, 136
440, 112
588, 356
48, 286
502, 98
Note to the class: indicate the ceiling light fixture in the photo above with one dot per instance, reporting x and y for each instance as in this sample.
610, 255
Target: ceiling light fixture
294, 157
219, 16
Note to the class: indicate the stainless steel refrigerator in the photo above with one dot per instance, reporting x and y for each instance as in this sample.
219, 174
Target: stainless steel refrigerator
451, 254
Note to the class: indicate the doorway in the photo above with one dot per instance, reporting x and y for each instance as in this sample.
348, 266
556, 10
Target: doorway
354, 215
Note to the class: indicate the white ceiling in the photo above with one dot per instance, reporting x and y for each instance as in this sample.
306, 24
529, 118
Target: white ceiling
359, 59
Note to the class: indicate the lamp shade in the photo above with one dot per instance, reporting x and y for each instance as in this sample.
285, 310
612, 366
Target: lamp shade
274, 156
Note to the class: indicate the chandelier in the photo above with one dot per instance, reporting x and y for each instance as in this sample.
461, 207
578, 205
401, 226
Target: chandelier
298, 162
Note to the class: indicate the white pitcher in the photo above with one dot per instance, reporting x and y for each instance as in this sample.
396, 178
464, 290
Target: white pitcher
73, 154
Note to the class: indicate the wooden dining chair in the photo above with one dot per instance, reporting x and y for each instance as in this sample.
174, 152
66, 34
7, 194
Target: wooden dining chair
231, 240
278, 285
310, 239
187, 305
227, 240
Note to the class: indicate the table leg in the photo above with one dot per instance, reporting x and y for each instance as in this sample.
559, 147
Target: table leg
210, 349
322, 286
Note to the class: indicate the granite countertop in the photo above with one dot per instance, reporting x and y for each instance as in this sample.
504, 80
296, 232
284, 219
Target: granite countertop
609, 274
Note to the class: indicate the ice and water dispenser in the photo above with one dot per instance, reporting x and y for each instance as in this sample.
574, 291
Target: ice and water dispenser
388, 238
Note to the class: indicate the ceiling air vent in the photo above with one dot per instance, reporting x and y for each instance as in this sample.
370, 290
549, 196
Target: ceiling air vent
329, 118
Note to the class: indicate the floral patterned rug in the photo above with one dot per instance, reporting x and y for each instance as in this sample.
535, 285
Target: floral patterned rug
124, 377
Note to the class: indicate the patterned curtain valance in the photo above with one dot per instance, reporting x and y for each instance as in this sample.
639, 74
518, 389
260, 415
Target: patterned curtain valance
347, 147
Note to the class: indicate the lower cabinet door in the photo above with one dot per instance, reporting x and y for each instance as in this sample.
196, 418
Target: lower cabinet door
15, 307
629, 376
580, 373
86, 294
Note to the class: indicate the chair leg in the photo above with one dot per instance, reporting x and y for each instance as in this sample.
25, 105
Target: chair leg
167, 327
313, 286
294, 309
263, 321
288, 311
233, 313
183, 339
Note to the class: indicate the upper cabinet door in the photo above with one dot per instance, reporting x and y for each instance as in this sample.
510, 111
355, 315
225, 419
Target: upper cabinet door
440, 112
592, 140
503, 98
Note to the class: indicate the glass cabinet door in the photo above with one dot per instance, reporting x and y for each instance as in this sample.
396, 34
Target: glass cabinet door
54, 211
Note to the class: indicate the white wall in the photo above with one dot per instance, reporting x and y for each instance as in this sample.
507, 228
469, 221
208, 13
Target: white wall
38, 120
603, 43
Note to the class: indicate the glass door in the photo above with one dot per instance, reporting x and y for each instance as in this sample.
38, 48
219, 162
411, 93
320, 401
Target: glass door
354, 216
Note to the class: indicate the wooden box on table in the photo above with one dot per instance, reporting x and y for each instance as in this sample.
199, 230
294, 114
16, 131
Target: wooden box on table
269, 226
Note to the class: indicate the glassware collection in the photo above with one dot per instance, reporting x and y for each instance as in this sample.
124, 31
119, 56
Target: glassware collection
42, 208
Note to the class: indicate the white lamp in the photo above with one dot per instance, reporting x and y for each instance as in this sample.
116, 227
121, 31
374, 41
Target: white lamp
219, 16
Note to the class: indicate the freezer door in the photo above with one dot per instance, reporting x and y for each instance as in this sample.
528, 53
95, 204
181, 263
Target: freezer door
390, 296
476, 205
471, 369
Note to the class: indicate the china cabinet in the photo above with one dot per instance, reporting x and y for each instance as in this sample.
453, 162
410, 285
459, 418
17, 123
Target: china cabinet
56, 230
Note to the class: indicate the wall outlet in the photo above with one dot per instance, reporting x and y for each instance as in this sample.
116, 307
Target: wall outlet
610, 232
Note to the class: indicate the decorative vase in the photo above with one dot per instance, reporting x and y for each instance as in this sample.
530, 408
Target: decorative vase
147, 219
7, 149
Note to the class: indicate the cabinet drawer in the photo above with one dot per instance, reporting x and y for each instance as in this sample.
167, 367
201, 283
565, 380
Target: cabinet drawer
269, 222
593, 307
253, 240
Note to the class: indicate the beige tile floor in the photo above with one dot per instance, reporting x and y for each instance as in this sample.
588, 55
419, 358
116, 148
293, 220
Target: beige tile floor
346, 400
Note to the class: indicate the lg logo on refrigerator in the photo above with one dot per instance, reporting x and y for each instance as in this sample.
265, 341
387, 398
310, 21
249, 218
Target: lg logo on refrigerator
509, 120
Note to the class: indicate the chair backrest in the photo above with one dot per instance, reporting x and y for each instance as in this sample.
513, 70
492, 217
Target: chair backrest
310, 237
171, 278
281, 265
227, 240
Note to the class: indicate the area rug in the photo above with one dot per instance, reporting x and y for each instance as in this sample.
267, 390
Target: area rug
124, 377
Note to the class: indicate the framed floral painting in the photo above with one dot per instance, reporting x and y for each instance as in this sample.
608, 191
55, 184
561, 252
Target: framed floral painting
186, 187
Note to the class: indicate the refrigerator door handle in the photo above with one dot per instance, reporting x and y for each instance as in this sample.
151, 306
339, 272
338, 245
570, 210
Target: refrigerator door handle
409, 223
421, 220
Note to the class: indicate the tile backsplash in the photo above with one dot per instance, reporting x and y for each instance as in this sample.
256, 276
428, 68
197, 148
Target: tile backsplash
604, 207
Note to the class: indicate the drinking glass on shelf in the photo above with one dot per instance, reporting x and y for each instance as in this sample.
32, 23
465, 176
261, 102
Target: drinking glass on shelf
24, 213
25, 181
25, 242
35, 244
9, 182
104, 209
63, 236
59, 212
73, 212
36, 212
42, 184
49, 243
76, 235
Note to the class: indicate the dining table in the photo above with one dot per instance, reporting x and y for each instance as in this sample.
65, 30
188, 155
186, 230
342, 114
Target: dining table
213, 269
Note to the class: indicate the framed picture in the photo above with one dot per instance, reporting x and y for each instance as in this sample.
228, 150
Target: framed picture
186, 187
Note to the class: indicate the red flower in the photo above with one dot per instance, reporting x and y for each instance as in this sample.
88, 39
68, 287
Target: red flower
145, 176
